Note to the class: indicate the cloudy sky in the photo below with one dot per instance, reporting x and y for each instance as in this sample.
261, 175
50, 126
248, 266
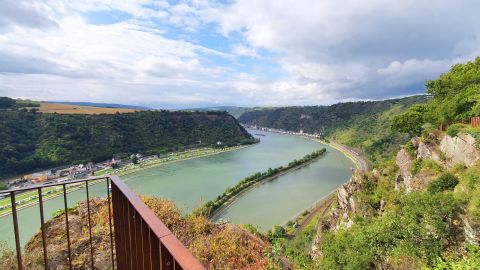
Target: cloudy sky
175, 54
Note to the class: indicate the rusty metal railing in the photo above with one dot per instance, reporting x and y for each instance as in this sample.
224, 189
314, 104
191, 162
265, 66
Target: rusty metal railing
138, 239
475, 121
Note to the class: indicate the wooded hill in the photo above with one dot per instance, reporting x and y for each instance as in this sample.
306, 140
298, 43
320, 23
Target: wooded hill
31, 140
364, 124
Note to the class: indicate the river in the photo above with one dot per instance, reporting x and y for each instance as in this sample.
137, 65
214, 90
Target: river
191, 182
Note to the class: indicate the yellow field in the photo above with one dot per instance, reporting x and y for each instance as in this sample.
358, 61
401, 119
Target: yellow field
46, 107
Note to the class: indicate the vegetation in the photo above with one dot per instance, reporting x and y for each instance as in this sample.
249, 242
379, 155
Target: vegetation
422, 229
31, 140
446, 181
60, 108
413, 234
364, 125
211, 206
217, 247
456, 98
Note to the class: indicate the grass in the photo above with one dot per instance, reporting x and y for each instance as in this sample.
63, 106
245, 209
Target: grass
46, 107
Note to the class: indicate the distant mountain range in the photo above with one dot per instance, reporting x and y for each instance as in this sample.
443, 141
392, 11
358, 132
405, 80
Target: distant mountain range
102, 105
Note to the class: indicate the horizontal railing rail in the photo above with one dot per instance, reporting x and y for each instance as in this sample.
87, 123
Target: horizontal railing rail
138, 239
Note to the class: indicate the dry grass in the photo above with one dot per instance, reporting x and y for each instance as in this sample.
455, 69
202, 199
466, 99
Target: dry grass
75, 109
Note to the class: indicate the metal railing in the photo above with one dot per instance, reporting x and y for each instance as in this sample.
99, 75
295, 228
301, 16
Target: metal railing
138, 239
475, 121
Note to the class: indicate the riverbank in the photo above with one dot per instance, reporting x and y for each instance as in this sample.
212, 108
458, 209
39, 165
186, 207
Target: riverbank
204, 152
218, 206
31, 197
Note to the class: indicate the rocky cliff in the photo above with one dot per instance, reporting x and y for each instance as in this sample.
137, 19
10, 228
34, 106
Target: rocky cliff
341, 213
416, 166
461, 149
445, 151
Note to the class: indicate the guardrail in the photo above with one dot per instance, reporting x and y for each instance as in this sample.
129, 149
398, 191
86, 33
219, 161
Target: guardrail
138, 239
475, 122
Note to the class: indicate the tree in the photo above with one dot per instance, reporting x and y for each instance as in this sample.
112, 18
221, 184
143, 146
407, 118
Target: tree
135, 159
6, 103
409, 122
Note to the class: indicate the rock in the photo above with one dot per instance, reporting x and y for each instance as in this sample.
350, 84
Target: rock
404, 163
460, 149
340, 216
472, 232
429, 151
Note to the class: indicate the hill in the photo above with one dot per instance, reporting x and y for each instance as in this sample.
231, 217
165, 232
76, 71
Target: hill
364, 124
31, 140
233, 110
422, 209
46, 107
101, 105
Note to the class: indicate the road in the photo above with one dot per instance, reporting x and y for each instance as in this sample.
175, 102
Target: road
360, 161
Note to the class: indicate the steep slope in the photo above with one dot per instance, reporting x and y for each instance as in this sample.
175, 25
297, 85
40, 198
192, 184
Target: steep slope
422, 209
216, 246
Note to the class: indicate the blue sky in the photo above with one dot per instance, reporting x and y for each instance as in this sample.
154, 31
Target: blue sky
181, 54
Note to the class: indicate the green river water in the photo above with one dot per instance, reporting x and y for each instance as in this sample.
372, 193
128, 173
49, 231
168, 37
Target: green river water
190, 182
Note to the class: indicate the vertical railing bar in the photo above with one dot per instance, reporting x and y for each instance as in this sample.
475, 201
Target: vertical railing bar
130, 229
15, 228
124, 226
117, 214
129, 242
66, 222
89, 225
42, 224
110, 222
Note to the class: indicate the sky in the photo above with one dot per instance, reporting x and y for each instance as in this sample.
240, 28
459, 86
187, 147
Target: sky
186, 54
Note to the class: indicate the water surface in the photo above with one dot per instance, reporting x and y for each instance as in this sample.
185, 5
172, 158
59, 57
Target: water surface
191, 182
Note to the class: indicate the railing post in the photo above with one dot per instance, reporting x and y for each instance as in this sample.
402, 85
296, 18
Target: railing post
42, 224
15, 228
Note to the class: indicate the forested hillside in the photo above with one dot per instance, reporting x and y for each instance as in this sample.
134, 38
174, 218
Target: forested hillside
422, 209
30, 140
364, 125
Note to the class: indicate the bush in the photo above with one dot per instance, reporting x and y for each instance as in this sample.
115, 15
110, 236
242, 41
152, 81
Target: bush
446, 181
417, 166
410, 148
454, 129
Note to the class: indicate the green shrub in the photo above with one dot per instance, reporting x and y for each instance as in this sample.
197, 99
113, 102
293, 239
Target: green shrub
454, 129
410, 149
417, 166
446, 181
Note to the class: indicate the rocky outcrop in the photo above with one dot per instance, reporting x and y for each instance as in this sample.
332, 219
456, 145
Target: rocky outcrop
471, 231
341, 213
429, 151
460, 149
404, 177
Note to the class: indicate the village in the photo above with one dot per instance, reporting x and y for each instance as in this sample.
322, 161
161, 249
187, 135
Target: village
66, 173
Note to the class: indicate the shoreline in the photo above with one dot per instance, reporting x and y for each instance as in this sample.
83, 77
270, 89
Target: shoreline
360, 163
229, 149
232, 200
157, 164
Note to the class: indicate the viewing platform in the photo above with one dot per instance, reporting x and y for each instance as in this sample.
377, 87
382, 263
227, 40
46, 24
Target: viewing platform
138, 239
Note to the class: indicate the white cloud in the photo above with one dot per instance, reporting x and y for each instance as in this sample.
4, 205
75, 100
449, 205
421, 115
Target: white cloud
355, 48
242, 50
318, 52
